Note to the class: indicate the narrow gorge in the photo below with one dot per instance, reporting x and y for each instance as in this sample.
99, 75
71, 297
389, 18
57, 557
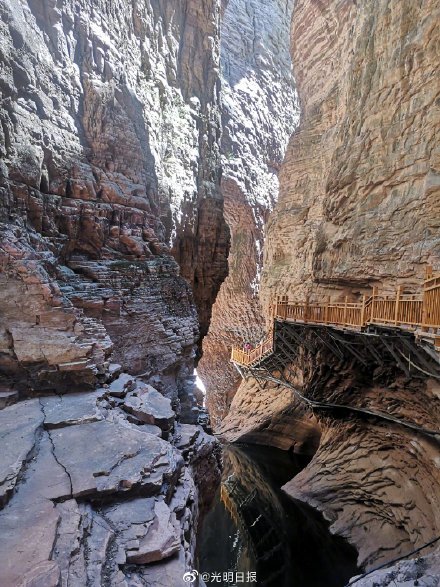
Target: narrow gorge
180, 179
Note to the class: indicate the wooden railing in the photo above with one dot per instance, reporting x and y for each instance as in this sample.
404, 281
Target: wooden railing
431, 302
400, 310
249, 357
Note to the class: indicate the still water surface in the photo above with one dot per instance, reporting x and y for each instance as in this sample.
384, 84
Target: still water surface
255, 528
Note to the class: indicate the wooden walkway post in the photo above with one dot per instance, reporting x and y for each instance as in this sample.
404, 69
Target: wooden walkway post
397, 306
326, 310
399, 310
373, 302
364, 298
425, 302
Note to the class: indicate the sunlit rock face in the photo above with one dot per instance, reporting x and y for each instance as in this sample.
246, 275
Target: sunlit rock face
110, 162
259, 112
359, 188
358, 206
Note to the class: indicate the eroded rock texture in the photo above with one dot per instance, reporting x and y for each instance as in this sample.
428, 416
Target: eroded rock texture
359, 188
92, 496
376, 483
112, 249
110, 158
359, 206
259, 112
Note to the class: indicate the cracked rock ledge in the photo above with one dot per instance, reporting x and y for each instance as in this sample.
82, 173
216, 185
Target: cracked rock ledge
96, 486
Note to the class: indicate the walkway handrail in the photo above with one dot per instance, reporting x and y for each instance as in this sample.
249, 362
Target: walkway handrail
251, 356
401, 310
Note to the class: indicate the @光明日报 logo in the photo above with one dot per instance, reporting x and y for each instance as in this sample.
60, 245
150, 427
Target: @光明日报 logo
190, 576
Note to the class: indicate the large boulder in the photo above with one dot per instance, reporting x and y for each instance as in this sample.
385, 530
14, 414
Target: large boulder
151, 407
106, 457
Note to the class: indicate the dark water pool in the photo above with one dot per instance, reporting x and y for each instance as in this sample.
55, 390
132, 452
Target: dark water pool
255, 529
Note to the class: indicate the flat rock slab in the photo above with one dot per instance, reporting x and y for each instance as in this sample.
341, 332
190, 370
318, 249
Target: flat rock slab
84, 548
169, 573
69, 409
184, 494
29, 522
131, 521
150, 406
27, 536
106, 457
187, 435
152, 429
18, 433
162, 539
120, 386
8, 398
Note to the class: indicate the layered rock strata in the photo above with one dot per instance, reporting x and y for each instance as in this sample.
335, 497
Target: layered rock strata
110, 162
363, 160
376, 483
112, 249
358, 207
259, 112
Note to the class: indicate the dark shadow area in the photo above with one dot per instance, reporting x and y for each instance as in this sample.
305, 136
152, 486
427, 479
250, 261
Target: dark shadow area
254, 527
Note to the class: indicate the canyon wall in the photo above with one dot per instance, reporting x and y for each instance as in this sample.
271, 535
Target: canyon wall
112, 249
359, 188
259, 112
358, 206
110, 127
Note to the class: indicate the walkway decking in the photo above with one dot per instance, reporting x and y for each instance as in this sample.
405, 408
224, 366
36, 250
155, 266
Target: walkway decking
417, 313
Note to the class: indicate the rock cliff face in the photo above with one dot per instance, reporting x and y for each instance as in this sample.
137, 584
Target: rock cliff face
358, 206
363, 161
112, 249
110, 159
259, 112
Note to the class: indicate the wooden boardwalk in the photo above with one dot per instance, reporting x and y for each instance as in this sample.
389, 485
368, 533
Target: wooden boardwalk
419, 313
